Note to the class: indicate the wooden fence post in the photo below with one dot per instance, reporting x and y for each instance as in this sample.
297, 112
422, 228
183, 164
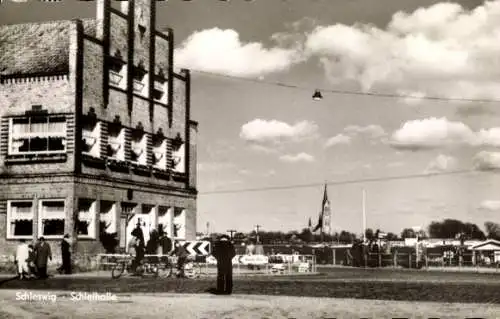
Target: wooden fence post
395, 257
409, 260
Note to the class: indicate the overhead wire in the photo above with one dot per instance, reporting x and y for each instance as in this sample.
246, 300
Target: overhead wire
345, 92
337, 183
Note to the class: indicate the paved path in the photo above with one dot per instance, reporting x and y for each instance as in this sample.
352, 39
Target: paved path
66, 304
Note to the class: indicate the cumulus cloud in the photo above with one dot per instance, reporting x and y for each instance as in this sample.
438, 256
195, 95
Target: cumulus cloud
437, 132
442, 49
440, 164
273, 131
490, 205
301, 157
487, 161
222, 51
339, 139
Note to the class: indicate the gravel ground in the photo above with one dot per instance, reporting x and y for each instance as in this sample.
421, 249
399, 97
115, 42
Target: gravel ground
164, 305
316, 286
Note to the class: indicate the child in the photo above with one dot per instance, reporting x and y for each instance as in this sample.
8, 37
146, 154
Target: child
31, 262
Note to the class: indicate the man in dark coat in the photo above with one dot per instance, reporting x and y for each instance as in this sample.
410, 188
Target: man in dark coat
182, 256
224, 252
66, 256
43, 253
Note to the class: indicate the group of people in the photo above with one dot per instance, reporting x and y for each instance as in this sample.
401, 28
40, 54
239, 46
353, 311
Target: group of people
159, 243
32, 259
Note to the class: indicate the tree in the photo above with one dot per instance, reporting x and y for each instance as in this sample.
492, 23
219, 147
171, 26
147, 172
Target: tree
346, 237
452, 228
391, 236
408, 233
306, 235
492, 230
369, 234
472, 231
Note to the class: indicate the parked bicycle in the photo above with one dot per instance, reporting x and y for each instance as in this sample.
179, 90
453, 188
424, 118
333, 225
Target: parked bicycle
151, 265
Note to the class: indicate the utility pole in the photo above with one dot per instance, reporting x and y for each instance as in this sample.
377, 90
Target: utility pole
257, 227
231, 231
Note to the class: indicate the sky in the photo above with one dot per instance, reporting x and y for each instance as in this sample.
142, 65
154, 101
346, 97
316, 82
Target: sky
257, 135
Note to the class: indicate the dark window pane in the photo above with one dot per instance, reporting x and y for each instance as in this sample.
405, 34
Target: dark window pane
53, 227
82, 227
38, 144
23, 228
25, 147
56, 144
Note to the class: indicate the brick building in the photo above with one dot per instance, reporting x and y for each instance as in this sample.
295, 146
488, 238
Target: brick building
95, 131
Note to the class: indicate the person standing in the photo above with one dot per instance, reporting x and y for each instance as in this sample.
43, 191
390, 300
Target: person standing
224, 252
22, 256
182, 256
43, 254
66, 256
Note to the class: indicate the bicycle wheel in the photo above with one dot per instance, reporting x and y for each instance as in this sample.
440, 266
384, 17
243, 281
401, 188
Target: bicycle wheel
168, 269
118, 270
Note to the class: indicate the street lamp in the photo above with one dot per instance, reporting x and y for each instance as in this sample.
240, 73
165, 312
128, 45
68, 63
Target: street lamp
317, 95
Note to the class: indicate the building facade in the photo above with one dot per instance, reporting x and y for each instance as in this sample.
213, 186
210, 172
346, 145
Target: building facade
95, 130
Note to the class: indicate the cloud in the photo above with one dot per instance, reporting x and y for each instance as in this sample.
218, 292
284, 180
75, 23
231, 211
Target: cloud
222, 51
214, 166
273, 131
487, 161
338, 139
374, 131
440, 164
490, 205
301, 157
244, 172
438, 132
395, 164
442, 50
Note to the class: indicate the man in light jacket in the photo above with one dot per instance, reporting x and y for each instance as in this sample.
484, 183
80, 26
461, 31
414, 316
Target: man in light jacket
22, 255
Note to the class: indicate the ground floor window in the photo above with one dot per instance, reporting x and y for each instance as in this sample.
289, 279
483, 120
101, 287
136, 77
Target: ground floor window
85, 222
107, 217
20, 219
51, 218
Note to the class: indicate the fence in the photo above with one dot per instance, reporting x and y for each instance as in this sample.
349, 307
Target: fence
410, 259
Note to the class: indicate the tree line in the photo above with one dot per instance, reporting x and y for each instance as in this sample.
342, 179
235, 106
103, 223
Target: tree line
447, 228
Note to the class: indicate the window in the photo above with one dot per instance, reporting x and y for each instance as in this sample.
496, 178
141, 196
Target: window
116, 143
160, 90
164, 219
20, 219
179, 223
139, 148
37, 135
51, 218
178, 159
91, 136
140, 80
117, 71
107, 217
85, 226
160, 154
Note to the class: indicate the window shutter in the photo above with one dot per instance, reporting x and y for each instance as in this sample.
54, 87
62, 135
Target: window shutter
4, 136
149, 150
128, 145
70, 133
103, 152
169, 154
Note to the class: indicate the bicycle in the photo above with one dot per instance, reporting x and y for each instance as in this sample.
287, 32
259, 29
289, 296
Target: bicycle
150, 265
